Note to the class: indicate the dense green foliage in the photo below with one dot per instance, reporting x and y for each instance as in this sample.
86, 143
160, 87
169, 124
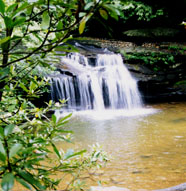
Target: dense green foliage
134, 15
154, 60
30, 33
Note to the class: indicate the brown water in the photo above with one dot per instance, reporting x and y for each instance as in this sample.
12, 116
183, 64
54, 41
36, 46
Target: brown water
148, 151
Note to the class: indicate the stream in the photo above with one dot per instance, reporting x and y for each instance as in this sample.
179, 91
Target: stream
147, 146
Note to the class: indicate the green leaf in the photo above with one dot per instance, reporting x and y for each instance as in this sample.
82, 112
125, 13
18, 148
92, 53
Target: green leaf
88, 5
63, 131
70, 153
5, 39
37, 36
64, 118
113, 11
21, 9
25, 184
103, 13
113, 15
59, 25
4, 72
15, 149
32, 86
82, 26
8, 22
54, 118
82, 14
2, 152
2, 7
45, 21
56, 150
1, 133
8, 129
28, 177
19, 21
23, 87
7, 182
11, 7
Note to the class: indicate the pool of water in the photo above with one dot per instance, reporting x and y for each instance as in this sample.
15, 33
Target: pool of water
148, 147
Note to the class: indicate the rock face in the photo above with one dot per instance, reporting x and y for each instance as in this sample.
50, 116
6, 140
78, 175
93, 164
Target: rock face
180, 187
159, 68
160, 86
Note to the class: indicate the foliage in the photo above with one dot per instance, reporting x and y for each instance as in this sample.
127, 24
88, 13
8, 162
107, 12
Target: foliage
152, 33
177, 49
31, 32
157, 61
138, 9
27, 138
121, 13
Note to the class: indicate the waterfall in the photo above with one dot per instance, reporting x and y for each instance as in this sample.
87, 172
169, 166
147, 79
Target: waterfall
107, 84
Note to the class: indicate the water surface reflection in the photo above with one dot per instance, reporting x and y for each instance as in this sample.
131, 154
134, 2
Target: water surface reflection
148, 151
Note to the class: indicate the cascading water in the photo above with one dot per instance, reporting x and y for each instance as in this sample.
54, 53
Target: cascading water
108, 84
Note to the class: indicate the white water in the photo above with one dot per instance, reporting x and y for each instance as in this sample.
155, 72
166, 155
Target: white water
107, 85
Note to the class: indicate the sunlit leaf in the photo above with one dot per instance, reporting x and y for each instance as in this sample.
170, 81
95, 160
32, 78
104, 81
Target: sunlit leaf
59, 25
70, 153
88, 5
11, 7
82, 26
15, 149
45, 20
54, 118
21, 9
64, 118
2, 7
24, 87
32, 86
56, 150
82, 14
103, 13
8, 129
63, 131
113, 11
2, 152
5, 39
19, 21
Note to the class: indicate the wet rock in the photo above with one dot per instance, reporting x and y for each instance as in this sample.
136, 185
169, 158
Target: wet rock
180, 187
137, 172
161, 85
116, 180
146, 156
